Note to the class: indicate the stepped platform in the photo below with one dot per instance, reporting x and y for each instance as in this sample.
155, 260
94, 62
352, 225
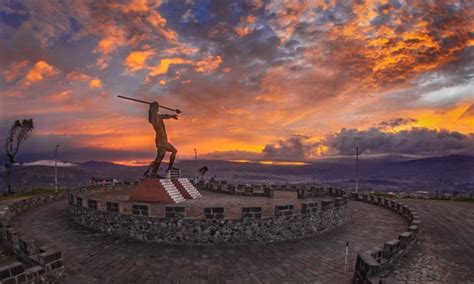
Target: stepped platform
164, 191
174, 211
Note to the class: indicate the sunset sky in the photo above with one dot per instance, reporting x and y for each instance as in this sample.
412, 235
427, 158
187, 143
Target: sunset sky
255, 80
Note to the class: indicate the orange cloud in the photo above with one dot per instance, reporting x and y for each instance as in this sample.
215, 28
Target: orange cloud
114, 37
242, 31
395, 50
208, 64
95, 84
156, 20
289, 13
134, 6
77, 76
180, 49
60, 97
165, 65
148, 10
15, 70
40, 71
246, 26
451, 119
135, 61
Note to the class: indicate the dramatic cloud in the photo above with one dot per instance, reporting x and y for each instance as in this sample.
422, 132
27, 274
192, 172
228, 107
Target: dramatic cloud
39, 71
255, 79
294, 149
95, 84
135, 61
233, 155
392, 123
15, 70
469, 113
419, 141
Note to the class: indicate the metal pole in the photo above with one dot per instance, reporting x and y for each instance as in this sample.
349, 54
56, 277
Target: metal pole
195, 159
145, 102
346, 254
195, 164
56, 168
357, 169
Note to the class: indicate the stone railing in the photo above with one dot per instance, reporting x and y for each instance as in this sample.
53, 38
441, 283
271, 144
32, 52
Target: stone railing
39, 264
267, 190
236, 224
373, 264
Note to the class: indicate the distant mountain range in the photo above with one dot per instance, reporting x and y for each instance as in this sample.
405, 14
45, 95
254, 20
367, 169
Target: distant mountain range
448, 173
452, 159
50, 163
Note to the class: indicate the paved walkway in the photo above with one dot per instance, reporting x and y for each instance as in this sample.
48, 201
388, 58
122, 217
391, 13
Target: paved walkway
97, 258
445, 249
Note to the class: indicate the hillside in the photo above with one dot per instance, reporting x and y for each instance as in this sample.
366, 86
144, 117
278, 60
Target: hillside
450, 173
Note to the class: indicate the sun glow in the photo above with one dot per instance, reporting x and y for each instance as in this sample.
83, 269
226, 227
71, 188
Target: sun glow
273, 163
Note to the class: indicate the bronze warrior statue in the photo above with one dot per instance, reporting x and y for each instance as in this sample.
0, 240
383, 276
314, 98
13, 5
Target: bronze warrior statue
161, 139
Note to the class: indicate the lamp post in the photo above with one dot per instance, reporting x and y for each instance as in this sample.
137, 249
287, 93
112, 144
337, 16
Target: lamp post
195, 164
56, 168
357, 169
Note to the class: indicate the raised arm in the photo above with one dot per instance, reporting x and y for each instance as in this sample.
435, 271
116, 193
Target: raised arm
168, 116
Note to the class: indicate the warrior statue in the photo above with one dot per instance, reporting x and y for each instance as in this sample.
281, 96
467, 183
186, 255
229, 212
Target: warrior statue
161, 139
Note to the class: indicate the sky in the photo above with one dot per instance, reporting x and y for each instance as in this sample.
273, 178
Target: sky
255, 80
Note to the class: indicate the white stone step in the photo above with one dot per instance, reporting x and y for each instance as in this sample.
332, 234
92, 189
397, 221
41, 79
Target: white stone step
172, 191
189, 187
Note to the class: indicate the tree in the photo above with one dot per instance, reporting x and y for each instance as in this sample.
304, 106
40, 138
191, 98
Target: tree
18, 134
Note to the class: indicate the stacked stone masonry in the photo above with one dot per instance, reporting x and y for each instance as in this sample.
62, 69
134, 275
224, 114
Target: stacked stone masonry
372, 265
266, 190
39, 264
215, 225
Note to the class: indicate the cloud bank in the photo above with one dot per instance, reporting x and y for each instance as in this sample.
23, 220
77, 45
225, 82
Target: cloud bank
268, 77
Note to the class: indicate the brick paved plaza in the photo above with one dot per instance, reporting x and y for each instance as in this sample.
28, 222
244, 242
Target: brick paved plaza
443, 253
95, 257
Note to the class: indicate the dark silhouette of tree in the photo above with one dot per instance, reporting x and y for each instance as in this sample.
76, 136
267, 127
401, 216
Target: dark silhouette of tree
18, 134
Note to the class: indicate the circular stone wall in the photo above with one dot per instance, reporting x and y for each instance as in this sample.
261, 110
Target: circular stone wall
212, 219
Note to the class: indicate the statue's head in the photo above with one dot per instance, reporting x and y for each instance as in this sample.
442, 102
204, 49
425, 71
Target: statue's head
154, 107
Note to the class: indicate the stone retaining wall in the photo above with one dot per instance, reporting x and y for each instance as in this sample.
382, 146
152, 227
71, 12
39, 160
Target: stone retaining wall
213, 225
372, 265
267, 190
39, 264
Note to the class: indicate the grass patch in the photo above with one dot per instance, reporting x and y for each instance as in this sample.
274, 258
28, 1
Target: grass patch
31, 193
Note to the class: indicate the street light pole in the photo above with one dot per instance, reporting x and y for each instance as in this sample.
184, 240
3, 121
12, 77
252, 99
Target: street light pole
357, 169
56, 168
195, 164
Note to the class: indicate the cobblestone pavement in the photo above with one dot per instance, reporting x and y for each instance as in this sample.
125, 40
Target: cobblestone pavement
97, 258
444, 252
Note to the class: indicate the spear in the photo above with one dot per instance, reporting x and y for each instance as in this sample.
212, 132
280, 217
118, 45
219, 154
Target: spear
145, 102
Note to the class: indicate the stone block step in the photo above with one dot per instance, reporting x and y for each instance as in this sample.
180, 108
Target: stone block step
186, 188
172, 191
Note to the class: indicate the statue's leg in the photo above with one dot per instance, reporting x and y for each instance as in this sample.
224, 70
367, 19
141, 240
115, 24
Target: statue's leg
159, 157
173, 151
150, 166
